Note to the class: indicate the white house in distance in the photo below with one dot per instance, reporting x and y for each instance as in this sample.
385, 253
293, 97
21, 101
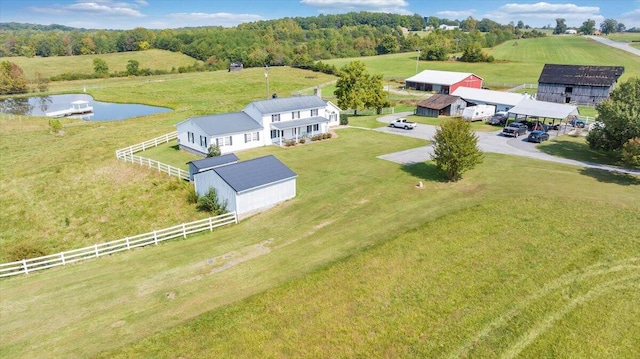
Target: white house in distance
261, 123
249, 186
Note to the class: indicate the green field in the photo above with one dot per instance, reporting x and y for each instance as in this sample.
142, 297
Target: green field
56, 65
521, 258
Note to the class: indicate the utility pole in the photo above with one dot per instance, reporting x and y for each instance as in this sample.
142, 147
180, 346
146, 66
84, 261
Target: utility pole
266, 76
417, 59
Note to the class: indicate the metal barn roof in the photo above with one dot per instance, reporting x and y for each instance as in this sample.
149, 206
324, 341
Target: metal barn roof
489, 96
257, 172
440, 77
438, 101
580, 75
215, 161
225, 124
284, 104
544, 109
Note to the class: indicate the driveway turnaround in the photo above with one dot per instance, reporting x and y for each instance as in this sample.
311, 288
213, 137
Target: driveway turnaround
487, 142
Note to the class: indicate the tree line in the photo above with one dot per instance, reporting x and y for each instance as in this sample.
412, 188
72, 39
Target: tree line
608, 26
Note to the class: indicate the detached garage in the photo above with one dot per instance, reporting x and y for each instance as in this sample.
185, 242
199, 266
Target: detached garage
444, 82
249, 186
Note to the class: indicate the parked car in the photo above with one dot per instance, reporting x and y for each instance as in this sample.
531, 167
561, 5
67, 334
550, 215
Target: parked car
537, 136
515, 129
403, 123
500, 118
577, 123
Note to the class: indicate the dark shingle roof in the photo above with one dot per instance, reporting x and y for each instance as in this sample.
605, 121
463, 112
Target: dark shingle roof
580, 75
278, 105
216, 161
438, 101
254, 173
227, 123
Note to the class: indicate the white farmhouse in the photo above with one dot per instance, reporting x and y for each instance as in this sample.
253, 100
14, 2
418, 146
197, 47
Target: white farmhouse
249, 186
261, 123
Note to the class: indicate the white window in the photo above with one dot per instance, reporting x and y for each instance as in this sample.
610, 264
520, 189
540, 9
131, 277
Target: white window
316, 127
275, 133
295, 115
251, 137
309, 128
314, 112
191, 137
275, 118
223, 141
203, 141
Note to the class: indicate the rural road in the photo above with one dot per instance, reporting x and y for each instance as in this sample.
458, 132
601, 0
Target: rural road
492, 142
617, 44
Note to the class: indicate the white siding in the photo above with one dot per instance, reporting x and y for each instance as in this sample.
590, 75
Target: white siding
209, 179
238, 142
183, 129
332, 109
265, 197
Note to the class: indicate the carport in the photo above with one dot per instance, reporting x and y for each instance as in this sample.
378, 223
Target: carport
544, 110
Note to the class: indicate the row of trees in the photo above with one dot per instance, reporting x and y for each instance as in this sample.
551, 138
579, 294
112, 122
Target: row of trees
588, 27
288, 41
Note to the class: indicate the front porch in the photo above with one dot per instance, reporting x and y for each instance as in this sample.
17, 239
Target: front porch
297, 130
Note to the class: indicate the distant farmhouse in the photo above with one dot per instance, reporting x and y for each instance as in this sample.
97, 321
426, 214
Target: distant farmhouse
447, 27
444, 82
571, 32
577, 84
261, 123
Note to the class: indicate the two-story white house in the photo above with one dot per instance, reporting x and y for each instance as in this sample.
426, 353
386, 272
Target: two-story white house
261, 123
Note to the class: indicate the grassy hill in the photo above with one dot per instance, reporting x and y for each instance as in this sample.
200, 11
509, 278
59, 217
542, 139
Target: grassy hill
520, 258
515, 64
56, 65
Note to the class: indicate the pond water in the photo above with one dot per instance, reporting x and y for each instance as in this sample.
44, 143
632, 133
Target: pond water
102, 111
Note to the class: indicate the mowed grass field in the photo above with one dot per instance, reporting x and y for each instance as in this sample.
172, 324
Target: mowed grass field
515, 64
57, 65
520, 258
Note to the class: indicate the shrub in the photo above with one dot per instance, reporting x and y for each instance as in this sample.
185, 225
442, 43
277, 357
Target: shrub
22, 251
55, 126
344, 119
326, 135
210, 203
289, 143
214, 151
192, 195
302, 140
631, 152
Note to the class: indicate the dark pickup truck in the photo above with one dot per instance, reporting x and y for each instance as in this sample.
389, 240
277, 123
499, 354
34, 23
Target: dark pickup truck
515, 129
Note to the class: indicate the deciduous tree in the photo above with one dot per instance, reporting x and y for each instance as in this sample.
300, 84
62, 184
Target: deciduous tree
609, 26
100, 66
588, 27
620, 116
455, 148
561, 27
12, 79
357, 89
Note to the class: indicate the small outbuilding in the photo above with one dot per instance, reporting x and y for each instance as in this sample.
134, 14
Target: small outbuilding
208, 163
249, 186
577, 84
444, 82
441, 104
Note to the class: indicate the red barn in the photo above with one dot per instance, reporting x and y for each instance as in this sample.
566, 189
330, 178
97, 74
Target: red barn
444, 82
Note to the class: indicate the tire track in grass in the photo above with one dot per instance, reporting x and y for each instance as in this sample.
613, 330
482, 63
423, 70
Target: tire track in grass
549, 321
594, 270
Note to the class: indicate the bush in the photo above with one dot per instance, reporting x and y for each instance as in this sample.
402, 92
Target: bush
214, 151
210, 203
344, 119
22, 251
55, 126
631, 152
192, 195
302, 140
289, 143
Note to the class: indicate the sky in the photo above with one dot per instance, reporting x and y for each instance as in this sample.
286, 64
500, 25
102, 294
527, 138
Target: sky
162, 14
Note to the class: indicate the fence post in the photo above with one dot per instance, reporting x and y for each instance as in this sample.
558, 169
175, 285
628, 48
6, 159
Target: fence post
95, 247
184, 231
155, 238
128, 244
62, 258
235, 216
210, 224
24, 265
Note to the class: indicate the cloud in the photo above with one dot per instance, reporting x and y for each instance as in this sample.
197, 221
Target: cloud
95, 8
343, 6
630, 19
545, 13
455, 15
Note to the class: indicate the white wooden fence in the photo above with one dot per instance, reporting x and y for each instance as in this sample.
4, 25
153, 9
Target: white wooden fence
27, 266
127, 155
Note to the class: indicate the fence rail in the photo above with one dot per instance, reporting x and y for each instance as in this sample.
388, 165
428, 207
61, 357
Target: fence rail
161, 167
27, 266
154, 142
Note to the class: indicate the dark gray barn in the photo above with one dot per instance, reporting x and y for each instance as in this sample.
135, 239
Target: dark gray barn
577, 84
441, 104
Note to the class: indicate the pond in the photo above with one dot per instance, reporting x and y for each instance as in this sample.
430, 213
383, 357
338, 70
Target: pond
102, 111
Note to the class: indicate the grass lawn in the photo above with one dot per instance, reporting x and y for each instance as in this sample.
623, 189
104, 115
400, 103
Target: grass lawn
57, 65
624, 36
577, 148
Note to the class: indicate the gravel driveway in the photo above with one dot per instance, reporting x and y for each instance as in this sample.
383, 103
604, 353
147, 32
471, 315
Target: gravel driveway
487, 142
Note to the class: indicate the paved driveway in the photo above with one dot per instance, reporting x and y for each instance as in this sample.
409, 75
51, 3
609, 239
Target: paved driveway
487, 142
